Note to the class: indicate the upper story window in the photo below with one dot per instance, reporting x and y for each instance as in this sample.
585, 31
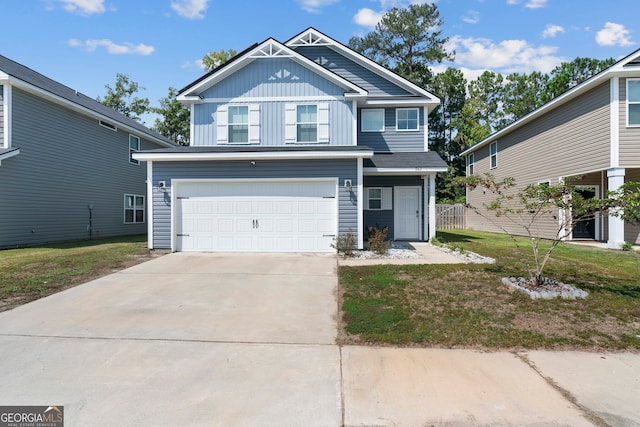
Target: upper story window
238, 124
493, 154
307, 123
407, 119
372, 120
470, 163
134, 145
633, 102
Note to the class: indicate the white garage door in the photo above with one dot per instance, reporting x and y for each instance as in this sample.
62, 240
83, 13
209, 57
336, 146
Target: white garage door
271, 216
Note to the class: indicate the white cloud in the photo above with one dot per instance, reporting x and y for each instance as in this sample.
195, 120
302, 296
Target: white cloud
367, 17
190, 9
472, 17
197, 64
112, 48
513, 1
83, 7
314, 6
535, 4
613, 35
509, 56
552, 30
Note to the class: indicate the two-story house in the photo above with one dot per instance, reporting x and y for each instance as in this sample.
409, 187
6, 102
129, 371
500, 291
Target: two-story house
293, 144
590, 134
66, 166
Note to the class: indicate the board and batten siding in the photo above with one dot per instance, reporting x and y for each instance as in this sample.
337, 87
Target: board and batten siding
373, 83
572, 139
391, 139
629, 136
272, 122
264, 169
67, 161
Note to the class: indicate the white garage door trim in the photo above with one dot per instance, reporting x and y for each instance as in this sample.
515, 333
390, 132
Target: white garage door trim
280, 190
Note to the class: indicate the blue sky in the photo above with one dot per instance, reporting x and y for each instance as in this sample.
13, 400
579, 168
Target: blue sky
159, 43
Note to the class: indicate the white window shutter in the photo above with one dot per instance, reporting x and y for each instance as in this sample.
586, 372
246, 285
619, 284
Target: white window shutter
290, 118
323, 122
366, 199
254, 123
387, 198
222, 130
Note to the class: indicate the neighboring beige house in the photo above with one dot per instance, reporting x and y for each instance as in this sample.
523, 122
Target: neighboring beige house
591, 132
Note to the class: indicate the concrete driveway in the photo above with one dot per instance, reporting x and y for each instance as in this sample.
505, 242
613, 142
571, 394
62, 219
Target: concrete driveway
249, 340
185, 339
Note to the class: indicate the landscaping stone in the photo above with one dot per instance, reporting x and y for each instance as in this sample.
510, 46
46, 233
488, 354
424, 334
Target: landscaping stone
549, 288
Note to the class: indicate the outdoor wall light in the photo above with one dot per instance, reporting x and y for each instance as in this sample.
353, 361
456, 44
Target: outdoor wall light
347, 184
252, 162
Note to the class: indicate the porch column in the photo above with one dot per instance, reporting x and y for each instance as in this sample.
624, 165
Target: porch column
430, 207
616, 225
360, 197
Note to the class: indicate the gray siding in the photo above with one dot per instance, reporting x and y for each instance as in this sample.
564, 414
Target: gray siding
2, 139
66, 162
629, 136
272, 123
355, 73
391, 139
165, 171
386, 217
573, 139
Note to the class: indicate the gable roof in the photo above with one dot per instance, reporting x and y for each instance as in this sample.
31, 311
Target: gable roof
313, 37
27, 79
628, 66
269, 48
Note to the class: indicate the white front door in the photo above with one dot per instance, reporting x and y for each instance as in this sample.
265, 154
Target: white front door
407, 213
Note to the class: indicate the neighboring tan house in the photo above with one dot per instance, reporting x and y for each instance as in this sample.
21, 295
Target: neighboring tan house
66, 171
293, 144
590, 133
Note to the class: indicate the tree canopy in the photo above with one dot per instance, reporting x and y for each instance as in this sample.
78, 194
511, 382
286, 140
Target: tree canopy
122, 98
173, 120
213, 60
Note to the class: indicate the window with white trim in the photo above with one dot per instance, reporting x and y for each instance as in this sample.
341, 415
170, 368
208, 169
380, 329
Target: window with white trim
134, 146
372, 120
238, 124
307, 123
378, 198
493, 154
407, 119
633, 102
133, 209
470, 163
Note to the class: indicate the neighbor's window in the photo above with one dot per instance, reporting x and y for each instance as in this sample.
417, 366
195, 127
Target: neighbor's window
633, 102
470, 163
407, 119
134, 145
493, 154
375, 198
133, 209
238, 124
307, 123
372, 120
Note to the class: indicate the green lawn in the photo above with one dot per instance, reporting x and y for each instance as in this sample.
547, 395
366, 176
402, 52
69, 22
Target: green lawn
467, 306
31, 273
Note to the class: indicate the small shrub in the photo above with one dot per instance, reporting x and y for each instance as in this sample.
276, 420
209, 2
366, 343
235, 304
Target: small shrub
436, 242
345, 244
378, 242
627, 246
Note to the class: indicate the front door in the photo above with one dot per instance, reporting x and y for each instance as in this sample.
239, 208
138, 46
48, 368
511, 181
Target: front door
585, 229
407, 213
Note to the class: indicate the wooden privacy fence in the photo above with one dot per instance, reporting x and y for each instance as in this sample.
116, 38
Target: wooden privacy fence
450, 216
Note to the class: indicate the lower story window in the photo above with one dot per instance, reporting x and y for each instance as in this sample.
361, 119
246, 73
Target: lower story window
133, 209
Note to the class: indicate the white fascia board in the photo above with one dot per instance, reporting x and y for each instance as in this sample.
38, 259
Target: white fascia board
418, 102
9, 154
80, 109
402, 171
616, 70
189, 100
186, 157
251, 56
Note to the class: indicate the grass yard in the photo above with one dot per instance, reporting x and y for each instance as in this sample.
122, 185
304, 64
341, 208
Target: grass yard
467, 306
32, 273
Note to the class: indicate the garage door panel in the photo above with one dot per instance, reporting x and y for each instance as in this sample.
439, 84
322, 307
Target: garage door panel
274, 217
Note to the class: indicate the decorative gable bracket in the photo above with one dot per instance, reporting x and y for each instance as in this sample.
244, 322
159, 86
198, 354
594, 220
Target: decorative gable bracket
271, 50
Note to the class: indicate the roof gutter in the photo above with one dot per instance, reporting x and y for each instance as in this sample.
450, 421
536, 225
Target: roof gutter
252, 155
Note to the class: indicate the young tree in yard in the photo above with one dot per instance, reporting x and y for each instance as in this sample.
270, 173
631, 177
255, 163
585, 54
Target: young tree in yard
406, 41
174, 119
525, 209
122, 98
